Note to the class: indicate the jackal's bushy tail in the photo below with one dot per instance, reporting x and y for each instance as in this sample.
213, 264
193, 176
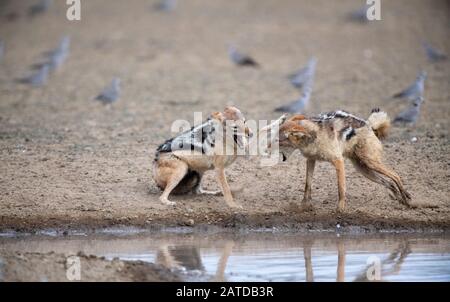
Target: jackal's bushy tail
380, 123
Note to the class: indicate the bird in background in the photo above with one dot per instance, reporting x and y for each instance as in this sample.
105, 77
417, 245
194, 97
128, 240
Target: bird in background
111, 93
304, 74
56, 57
37, 79
415, 90
56, 60
166, 5
411, 114
40, 7
299, 106
359, 15
241, 59
63, 47
433, 54
2, 49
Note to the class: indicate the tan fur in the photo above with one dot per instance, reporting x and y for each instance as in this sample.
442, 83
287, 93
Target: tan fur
380, 123
324, 142
176, 171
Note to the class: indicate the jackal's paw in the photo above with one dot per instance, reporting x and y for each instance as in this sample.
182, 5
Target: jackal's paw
236, 206
168, 202
208, 192
340, 210
341, 207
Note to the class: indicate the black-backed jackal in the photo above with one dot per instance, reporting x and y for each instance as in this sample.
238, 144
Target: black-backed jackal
180, 162
334, 136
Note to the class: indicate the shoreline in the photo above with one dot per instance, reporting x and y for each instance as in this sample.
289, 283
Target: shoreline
234, 222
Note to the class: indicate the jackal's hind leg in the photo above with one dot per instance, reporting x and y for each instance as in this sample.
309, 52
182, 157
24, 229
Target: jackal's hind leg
404, 197
379, 173
176, 176
377, 178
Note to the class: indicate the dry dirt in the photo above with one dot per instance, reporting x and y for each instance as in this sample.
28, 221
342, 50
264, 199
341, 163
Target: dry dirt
69, 162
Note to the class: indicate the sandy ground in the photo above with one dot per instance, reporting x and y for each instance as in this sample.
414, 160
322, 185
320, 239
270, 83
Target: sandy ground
69, 162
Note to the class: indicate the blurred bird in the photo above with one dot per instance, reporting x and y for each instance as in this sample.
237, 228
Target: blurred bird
2, 49
166, 5
359, 15
240, 58
433, 55
415, 90
305, 74
111, 93
56, 57
410, 115
41, 7
299, 106
38, 79
62, 48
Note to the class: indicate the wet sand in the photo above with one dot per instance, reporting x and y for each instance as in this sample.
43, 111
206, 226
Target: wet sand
54, 267
69, 162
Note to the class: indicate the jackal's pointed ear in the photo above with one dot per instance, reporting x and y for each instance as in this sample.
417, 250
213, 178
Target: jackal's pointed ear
296, 131
218, 116
297, 117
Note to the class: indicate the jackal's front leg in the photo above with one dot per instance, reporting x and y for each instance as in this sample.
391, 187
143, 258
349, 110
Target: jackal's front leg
340, 171
310, 164
221, 178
